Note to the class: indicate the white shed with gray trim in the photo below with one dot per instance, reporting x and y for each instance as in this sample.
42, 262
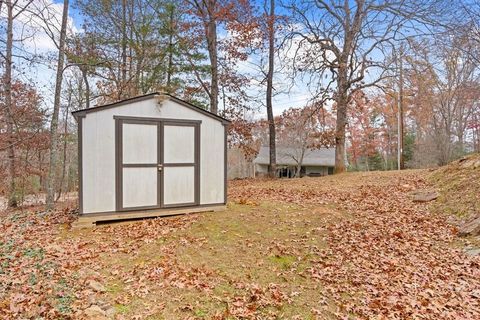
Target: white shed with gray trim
149, 156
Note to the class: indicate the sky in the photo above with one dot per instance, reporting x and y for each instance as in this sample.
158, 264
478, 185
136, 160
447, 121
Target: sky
40, 71
43, 74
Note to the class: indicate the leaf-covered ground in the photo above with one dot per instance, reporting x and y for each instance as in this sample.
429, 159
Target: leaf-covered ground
347, 246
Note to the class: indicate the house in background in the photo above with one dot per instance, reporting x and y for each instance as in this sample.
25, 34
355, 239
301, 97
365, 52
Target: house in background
315, 163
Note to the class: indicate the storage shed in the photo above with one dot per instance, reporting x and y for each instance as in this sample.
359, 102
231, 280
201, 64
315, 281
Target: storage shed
151, 155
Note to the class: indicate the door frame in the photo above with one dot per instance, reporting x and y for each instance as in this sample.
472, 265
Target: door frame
196, 158
160, 122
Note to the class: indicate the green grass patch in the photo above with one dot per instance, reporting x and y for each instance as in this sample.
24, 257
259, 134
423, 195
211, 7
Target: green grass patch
34, 253
200, 313
64, 297
121, 308
284, 262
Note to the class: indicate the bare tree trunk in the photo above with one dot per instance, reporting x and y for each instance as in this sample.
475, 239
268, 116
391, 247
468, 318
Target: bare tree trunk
272, 169
211, 34
24, 176
123, 78
461, 143
476, 133
170, 48
342, 105
40, 170
298, 174
87, 88
56, 108
12, 196
401, 164
65, 134
207, 9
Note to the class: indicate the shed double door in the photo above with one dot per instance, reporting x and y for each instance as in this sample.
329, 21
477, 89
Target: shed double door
157, 163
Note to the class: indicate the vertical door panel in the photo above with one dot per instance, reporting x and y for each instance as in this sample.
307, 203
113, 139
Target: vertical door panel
180, 163
138, 158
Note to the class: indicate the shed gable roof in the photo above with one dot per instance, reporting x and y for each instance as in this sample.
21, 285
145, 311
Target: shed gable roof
148, 96
316, 157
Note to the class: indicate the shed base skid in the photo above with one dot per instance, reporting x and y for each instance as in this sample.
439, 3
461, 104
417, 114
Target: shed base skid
91, 220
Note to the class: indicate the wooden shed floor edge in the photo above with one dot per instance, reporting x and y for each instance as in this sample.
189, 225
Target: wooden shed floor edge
86, 220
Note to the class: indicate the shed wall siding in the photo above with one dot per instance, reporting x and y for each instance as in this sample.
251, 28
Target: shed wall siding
99, 152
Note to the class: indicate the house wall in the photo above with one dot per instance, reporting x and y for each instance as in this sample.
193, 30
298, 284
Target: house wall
316, 170
261, 169
98, 151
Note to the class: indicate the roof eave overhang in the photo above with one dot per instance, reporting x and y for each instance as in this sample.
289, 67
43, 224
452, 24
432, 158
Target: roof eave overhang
160, 96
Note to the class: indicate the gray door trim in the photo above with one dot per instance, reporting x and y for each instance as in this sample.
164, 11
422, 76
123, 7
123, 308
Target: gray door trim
195, 164
160, 122
119, 165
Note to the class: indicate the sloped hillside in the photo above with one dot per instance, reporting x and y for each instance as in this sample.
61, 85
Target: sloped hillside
459, 187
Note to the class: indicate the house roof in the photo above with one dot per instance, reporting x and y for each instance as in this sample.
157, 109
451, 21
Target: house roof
152, 95
285, 156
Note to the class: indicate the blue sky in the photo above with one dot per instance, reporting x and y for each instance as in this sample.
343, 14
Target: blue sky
297, 96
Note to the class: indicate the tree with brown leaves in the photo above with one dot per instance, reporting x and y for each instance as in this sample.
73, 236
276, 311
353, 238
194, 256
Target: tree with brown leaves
303, 129
342, 45
14, 10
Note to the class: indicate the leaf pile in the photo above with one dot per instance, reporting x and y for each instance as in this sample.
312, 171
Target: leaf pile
47, 270
390, 257
337, 247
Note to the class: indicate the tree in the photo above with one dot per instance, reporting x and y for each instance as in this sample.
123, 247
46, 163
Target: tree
28, 138
210, 13
81, 52
162, 52
364, 129
301, 130
475, 127
272, 168
345, 41
241, 134
12, 200
14, 10
56, 109
447, 85
237, 20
